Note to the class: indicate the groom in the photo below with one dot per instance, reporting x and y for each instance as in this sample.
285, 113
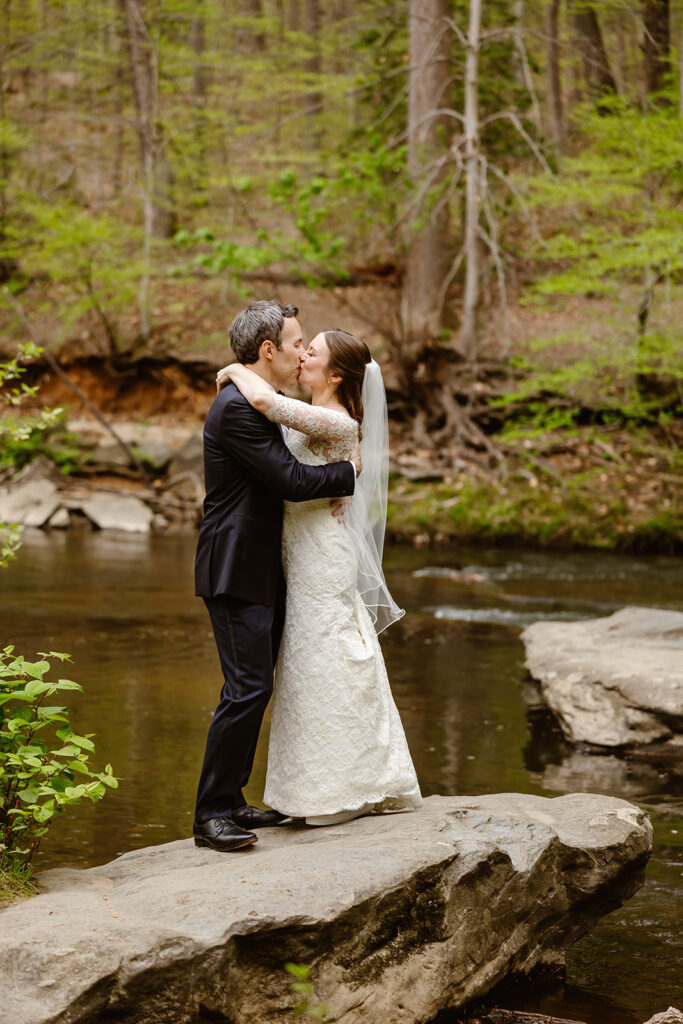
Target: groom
248, 472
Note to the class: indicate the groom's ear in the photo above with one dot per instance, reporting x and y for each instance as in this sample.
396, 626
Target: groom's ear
267, 349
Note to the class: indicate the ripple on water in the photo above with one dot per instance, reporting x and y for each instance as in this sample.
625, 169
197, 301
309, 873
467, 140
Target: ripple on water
500, 616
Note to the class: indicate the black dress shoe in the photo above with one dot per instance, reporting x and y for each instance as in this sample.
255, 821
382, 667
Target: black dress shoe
254, 817
222, 834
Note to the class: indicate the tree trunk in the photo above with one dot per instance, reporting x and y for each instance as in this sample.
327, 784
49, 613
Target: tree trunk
249, 37
467, 342
294, 16
314, 99
656, 44
198, 44
158, 178
552, 11
4, 155
596, 70
117, 90
428, 256
522, 68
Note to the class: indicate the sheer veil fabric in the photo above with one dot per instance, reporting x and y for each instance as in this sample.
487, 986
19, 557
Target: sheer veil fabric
367, 516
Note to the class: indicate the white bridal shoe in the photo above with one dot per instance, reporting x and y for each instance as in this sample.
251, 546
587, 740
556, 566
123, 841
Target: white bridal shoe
339, 818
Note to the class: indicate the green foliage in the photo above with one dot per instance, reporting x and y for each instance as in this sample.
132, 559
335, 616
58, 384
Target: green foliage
327, 213
303, 987
617, 202
44, 764
617, 231
589, 373
17, 433
37, 439
10, 542
88, 256
546, 506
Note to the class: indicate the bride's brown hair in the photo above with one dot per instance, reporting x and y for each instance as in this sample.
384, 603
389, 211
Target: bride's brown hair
348, 359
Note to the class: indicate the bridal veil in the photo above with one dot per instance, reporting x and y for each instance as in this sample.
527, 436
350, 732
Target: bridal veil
367, 517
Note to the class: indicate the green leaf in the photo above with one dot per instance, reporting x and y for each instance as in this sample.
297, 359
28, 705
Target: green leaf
304, 987
43, 812
35, 687
37, 669
82, 741
298, 970
68, 684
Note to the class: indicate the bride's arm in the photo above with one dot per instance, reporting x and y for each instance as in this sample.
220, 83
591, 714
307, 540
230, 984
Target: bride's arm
254, 388
314, 420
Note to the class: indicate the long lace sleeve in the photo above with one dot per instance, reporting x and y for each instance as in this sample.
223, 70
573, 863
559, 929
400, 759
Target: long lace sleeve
314, 420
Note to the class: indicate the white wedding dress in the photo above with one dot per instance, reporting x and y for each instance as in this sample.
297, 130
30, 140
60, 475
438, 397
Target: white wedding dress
336, 739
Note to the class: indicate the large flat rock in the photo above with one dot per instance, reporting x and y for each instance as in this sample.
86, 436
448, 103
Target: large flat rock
28, 503
612, 681
399, 916
118, 512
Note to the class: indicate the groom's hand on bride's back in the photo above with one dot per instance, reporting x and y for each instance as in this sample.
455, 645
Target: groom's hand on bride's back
355, 457
339, 507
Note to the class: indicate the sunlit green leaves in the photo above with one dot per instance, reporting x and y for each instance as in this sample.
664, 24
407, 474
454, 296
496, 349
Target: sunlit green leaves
44, 763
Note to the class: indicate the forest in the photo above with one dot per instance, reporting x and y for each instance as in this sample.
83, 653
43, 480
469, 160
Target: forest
490, 194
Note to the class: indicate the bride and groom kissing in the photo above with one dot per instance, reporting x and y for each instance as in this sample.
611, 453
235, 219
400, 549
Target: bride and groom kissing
293, 584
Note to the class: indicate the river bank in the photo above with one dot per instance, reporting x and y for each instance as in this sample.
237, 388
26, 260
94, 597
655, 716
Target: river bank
598, 488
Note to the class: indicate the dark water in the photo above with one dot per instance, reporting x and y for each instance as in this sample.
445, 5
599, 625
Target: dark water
143, 649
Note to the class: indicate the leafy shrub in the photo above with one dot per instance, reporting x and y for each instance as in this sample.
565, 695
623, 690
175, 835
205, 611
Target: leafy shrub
44, 764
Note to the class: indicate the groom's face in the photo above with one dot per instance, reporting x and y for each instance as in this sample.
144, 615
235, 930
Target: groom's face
287, 358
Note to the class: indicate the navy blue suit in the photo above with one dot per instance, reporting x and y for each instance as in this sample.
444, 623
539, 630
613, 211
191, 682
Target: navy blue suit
248, 472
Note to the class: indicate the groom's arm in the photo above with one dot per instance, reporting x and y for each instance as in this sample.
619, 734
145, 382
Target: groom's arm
251, 441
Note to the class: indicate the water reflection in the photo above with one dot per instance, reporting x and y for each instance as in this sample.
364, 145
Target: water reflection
652, 778
143, 649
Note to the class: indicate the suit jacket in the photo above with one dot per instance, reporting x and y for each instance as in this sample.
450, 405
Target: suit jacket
248, 471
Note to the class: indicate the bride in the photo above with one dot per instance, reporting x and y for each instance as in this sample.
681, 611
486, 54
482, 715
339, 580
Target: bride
337, 747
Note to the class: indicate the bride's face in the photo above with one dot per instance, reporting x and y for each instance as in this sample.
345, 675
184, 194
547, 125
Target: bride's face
314, 364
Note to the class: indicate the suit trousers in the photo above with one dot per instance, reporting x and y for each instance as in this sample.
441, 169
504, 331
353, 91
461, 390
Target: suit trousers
248, 638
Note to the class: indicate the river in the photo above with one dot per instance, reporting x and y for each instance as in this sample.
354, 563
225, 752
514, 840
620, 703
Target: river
144, 652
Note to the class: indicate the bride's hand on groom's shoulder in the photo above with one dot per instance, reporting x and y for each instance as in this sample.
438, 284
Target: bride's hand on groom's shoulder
223, 377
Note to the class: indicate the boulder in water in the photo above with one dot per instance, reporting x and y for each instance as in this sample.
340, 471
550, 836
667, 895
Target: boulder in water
612, 681
398, 916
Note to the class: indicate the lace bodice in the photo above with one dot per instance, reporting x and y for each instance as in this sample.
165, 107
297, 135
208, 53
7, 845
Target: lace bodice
330, 435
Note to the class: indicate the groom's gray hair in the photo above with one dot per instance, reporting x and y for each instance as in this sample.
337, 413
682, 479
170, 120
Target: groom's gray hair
261, 321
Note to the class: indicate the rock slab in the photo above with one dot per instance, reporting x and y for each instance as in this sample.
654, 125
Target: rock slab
612, 681
29, 503
118, 512
399, 916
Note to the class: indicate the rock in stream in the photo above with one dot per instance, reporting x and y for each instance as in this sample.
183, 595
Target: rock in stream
612, 681
399, 916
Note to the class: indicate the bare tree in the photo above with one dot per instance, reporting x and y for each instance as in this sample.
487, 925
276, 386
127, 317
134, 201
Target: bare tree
249, 36
199, 74
596, 69
555, 110
159, 216
157, 174
313, 27
118, 32
656, 44
428, 147
467, 342
294, 16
